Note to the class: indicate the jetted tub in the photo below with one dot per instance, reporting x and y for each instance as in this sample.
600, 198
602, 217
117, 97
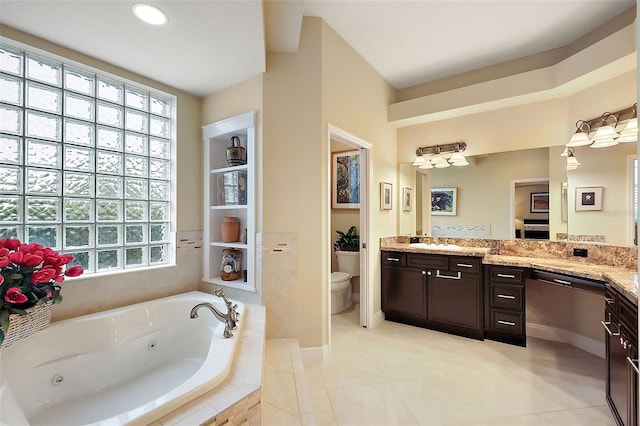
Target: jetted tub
130, 365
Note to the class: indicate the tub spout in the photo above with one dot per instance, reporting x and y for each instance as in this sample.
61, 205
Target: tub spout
229, 319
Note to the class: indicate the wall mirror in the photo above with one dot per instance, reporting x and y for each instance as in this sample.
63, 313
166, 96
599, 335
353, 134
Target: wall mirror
494, 195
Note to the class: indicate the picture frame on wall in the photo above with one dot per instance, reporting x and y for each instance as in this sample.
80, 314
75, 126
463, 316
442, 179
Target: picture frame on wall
444, 201
345, 180
386, 196
539, 202
589, 198
407, 199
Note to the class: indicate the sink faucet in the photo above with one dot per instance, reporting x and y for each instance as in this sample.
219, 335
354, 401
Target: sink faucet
230, 319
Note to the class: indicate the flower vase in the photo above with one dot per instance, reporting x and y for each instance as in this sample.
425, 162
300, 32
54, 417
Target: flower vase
21, 326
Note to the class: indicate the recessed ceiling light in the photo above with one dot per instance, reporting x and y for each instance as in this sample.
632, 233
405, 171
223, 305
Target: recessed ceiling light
149, 14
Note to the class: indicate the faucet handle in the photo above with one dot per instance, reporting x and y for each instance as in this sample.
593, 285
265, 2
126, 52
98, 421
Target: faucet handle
219, 292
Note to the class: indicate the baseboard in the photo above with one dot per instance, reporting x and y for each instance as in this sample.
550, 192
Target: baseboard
314, 355
376, 319
585, 343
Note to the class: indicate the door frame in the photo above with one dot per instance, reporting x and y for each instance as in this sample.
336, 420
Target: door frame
512, 202
365, 147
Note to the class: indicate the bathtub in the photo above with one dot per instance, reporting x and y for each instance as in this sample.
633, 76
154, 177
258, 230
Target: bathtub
130, 365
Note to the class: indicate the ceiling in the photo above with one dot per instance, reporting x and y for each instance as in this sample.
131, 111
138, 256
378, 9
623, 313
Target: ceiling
212, 44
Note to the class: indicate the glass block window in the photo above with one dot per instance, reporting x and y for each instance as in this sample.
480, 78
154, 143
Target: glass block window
85, 163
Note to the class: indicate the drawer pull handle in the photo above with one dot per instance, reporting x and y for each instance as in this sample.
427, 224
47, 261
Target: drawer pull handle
449, 277
509, 323
393, 259
464, 265
634, 364
609, 300
606, 327
506, 276
563, 282
506, 296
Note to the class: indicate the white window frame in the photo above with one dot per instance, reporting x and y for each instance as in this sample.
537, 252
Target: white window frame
170, 242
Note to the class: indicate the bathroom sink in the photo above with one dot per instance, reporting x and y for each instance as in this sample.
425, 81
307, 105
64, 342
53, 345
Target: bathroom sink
435, 246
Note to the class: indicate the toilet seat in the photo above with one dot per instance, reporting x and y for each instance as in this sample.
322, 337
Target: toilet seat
340, 281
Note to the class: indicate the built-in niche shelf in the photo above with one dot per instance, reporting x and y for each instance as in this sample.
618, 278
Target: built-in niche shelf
229, 191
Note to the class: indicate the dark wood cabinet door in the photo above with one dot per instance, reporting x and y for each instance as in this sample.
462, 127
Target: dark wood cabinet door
454, 298
404, 292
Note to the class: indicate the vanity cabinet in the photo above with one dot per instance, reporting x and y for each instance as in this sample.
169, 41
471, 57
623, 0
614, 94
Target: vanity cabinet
504, 304
621, 331
433, 291
403, 289
229, 191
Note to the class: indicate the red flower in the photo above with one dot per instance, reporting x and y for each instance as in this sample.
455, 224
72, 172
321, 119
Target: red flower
16, 257
14, 295
74, 271
1, 279
4, 260
10, 243
31, 260
43, 275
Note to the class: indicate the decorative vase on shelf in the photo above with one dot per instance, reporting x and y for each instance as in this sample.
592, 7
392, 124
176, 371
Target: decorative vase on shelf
230, 229
236, 153
231, 264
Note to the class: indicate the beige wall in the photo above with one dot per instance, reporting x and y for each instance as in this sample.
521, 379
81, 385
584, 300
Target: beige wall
355, 99
293, 189
535, 125
92, 294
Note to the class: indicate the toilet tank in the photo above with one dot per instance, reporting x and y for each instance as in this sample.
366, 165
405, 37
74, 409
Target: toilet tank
349, 262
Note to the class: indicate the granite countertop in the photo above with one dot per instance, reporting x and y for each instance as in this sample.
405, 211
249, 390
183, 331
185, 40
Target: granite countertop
622, 279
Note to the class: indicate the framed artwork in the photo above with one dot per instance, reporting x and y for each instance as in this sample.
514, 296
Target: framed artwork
589, 198
407, 199
539, 202
386, 195
444, 201
345, 180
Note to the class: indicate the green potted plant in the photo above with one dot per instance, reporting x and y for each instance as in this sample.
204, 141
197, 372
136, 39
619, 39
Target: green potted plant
349, 241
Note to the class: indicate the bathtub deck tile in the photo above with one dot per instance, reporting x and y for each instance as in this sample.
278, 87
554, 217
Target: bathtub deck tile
199, 417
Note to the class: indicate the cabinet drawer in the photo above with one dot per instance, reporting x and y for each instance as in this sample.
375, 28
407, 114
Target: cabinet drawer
428, 261
629, 315
507, 296
507, 322
394, 259
472, 265
507, 275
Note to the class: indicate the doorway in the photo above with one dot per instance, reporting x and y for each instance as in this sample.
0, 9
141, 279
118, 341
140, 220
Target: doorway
343, 139
530, 208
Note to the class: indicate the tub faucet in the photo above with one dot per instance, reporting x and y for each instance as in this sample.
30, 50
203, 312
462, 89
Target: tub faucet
229, 319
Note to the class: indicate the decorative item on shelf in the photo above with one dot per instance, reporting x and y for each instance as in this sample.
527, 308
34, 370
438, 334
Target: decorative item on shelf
230, 229
232, 188
231, 265
243, 236
236, 153
30, 278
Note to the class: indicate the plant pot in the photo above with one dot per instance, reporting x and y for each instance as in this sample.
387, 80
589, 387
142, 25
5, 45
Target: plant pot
22, 326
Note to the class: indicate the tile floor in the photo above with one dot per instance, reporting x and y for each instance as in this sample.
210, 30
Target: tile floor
402, 375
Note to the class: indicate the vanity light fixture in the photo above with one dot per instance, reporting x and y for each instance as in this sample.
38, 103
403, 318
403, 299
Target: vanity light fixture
604, 128
581, 136
572, 161
149, 14
441, 156
630, 131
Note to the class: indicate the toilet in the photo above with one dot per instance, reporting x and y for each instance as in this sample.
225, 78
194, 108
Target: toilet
348, 267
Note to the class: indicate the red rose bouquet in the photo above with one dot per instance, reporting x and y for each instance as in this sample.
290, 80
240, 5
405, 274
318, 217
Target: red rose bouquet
30, 274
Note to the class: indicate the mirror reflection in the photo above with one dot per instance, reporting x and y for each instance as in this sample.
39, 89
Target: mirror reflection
502, 196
